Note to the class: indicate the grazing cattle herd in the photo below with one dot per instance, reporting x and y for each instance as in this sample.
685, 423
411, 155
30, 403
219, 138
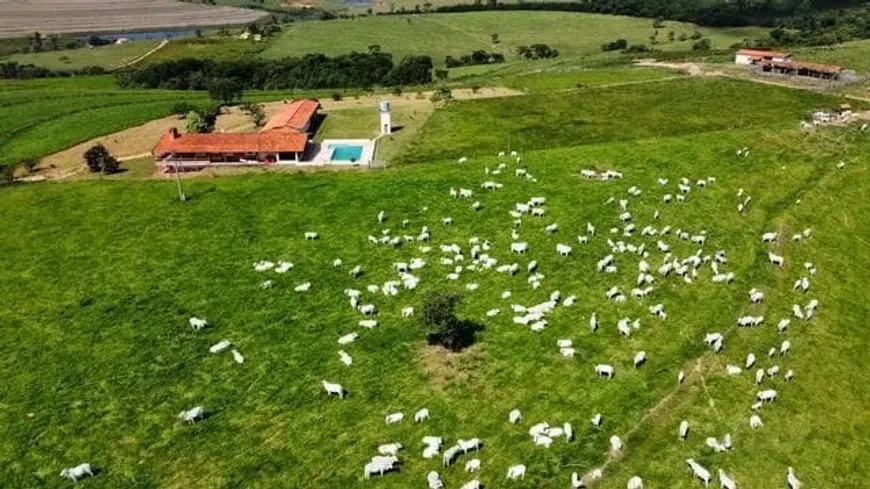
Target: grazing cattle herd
649, 251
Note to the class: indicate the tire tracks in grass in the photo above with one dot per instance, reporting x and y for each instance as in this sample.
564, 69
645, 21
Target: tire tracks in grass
774, 212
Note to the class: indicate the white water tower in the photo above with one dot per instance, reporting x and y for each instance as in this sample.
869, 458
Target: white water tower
386, 122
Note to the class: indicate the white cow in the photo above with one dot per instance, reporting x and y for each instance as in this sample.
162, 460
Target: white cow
197, 323
394, 418
699, 471
604, 370
684, 429
768, 395
755, 422
472, 465
390, 449
792, 480
635, 483
516, 472
726, 481
515, 416
345, 358
615, 445
77, 472
311, 235
192, 415
434, 480
332, 388
348, 338
421, 415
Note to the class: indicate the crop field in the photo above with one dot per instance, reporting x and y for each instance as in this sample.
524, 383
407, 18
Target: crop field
18, 19
101, 277
45, 116
108, 57
440, 35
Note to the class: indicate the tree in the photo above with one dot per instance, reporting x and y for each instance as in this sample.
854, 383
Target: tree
702, 45
443, 327
30, 164
658, 23
258, 115
441, 75
225, 90
7, 172
99, 160
495, 38
671, 36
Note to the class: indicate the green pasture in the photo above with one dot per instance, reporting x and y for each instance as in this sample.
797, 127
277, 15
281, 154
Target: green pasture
100, 278
609, 113
108, 57
440, 35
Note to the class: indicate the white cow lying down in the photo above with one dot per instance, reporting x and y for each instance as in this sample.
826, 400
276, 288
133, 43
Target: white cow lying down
77, 472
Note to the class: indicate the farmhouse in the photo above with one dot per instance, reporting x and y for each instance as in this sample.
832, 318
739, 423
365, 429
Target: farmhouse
758, 56
284, 139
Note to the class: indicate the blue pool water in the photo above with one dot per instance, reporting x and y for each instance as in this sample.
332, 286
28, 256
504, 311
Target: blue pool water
346, 152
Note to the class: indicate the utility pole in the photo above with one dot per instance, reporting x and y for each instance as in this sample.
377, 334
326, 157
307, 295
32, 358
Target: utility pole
181, 195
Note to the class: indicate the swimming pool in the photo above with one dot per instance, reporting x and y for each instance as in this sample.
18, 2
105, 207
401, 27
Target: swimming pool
346, 152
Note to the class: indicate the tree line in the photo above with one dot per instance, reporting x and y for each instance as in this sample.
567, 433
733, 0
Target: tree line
354, 70
13, 70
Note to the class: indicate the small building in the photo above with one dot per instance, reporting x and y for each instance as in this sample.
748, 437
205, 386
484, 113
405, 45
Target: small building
283, 140
811, 70
758, 56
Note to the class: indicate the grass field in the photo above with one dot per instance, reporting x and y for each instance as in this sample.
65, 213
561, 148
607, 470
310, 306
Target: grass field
851, 55
440, 35
100, 278
650, 110
108, 57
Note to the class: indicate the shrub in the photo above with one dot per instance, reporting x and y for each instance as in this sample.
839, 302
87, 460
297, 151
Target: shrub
336, 96
441, 74
443, 326
702, 45
182, 108
99, 160
30, 164
697, 35
7, 173
397, 90
615, 45
636, 48
258, 115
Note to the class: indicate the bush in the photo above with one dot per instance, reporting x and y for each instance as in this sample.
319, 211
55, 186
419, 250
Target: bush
702, 45
615, 45
30, 164
441, 75
99, 160
443, 326
696, 35
182, 108
7, 173
258, 115
537, 51
336, 96
397, 91
636, 48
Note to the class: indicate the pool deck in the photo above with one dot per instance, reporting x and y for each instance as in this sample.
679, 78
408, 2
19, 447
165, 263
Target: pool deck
322, 154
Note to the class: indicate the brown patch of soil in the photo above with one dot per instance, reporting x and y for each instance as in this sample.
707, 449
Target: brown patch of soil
446, 368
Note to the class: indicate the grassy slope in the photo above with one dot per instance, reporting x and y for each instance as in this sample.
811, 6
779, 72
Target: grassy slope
97, 357
851, 55
439, 35
642, 111
106, 56
51, 115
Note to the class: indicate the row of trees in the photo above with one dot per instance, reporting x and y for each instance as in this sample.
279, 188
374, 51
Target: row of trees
13, 70
537, 51
479, 57
311, 71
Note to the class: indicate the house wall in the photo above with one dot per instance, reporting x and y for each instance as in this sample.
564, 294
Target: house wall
742, 59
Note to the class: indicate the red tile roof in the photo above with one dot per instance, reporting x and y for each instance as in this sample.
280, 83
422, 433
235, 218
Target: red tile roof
293, 116
276, 141
761, 53
793, 65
